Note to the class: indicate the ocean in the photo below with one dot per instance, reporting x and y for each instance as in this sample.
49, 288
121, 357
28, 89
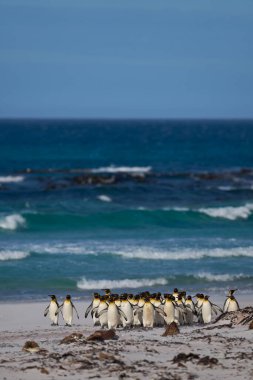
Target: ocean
129, 205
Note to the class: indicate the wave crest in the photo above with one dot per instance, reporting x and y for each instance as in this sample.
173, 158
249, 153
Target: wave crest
220, 277
13, 255
185, 254
11, 179
12, 222
119, 284
122, 169
231, 212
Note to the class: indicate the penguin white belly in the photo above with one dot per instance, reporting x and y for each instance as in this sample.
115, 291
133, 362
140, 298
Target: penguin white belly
103, 319
95, 305
232, 306
128, 311
67, 312
148, 315
169, 310
137, 317
52, 310
159, 320
206, 312
113, 316
226, 305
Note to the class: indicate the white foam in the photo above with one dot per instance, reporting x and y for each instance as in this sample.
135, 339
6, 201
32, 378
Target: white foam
231, 213
11, 179
122, 169
220, 277
104, 198
12, 222
118, 284
12, 255
146, 253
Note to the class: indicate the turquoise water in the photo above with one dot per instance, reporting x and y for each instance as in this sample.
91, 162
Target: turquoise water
135, 205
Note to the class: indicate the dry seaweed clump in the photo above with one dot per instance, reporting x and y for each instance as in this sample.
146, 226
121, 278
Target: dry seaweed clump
240, 317
102, 335
72, 338
171, 329
31, 346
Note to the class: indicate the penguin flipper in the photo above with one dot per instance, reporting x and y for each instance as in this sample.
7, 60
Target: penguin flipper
122, 313
88, 310
160, 311
216, 307
59, 308
97, 315
46, 311
93, 311
75, 309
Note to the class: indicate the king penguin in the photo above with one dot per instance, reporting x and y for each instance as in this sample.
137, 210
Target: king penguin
51, 310
206, 310
93, 308
67, 310
225, 306
231, 305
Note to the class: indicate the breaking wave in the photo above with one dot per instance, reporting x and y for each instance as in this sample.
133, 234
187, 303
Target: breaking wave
11, 179
104, 198
231, 213
185, 254
119, 284
13, 255
12, 222
221, 277
122, 169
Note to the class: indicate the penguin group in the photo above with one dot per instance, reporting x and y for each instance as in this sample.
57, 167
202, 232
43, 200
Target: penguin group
149, 310
66, 309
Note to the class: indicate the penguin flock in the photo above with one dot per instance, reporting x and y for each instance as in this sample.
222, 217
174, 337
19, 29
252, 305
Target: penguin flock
144, 309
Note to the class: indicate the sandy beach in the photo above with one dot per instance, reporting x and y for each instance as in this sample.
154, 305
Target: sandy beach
215, 351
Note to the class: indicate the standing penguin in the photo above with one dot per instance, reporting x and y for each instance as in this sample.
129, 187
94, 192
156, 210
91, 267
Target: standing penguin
226, 303
207, 308
93, 307
51, 310
169, 308
231, 305
67, 310
127, 309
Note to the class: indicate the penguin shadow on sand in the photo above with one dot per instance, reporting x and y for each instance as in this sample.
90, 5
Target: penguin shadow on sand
66, 309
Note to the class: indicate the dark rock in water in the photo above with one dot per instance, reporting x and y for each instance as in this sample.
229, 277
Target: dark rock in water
171, 329
206, 360
102, 335
72, 338
240, 317
31, 346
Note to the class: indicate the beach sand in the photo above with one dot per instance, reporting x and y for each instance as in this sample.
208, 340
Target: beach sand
215, 351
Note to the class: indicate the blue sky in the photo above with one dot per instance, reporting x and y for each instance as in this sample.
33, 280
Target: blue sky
126, 59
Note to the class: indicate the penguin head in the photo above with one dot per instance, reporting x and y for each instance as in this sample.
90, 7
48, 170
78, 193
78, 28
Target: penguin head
175, 290
52, 296
189, 298
206, 298
107, 291
68, 297
231, 291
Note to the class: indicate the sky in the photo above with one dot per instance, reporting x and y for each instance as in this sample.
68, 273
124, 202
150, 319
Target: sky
126, 58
